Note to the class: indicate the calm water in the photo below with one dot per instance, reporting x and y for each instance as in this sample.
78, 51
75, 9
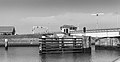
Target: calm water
30, 54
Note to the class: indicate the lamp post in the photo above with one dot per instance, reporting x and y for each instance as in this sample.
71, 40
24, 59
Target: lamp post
117, 17
97, 14
97, 24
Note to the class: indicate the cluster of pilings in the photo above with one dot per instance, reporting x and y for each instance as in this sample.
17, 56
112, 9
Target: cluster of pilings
64, 45
53, 45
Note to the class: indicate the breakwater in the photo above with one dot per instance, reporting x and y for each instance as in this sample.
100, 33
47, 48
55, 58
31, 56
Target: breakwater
20, 42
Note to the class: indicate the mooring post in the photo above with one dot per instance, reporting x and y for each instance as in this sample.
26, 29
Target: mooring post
40, 47
74, 42
89, 39
41, 44
84, 44
6, 44
83, 41
62, 45
57, 39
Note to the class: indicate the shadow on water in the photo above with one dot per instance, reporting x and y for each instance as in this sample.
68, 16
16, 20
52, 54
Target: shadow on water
95, 56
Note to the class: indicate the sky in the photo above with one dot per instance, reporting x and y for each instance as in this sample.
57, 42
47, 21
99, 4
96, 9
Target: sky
24, 14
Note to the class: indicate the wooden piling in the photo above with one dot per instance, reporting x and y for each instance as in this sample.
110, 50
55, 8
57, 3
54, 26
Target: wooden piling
40, 47
74, 43
6, 44
64, 45
43, 44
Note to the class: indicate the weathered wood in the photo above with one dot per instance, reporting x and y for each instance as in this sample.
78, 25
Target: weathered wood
63, 45
6, 44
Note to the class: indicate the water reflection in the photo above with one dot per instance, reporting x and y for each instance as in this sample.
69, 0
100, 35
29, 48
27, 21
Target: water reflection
67, 57
106, 55
19, 54
31, 54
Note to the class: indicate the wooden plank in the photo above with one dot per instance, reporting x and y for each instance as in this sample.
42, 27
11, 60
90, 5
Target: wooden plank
58, 43
62, 48
53, 46
60, 40
63, 52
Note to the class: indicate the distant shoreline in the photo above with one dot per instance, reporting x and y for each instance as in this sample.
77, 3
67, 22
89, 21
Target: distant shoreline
24, 40
21, 36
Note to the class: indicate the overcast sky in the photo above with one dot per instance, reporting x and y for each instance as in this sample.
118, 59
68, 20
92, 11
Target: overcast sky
23, 14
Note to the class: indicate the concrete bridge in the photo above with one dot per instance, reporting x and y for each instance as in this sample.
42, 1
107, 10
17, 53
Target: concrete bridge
110, 32
103, 38
108, 43
100, 30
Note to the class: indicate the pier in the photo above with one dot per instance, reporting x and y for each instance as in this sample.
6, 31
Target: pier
64, 45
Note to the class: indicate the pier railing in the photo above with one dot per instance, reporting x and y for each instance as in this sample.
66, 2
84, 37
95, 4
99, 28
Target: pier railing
63, 45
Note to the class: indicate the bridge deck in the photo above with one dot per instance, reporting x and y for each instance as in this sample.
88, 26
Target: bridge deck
98, 30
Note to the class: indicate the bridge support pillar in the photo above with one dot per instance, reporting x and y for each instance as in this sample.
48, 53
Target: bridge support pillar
118, 41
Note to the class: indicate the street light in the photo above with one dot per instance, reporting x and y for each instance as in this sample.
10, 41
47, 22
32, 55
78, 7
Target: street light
97, 14
97, 25
117, 16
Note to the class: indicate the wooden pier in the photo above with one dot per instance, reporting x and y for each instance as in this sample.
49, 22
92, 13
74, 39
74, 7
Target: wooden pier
64, 45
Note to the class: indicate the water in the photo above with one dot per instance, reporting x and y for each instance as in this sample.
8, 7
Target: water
31, 54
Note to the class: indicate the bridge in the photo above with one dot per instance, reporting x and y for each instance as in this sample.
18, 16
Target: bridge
110, 32
99, 30
103, 38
